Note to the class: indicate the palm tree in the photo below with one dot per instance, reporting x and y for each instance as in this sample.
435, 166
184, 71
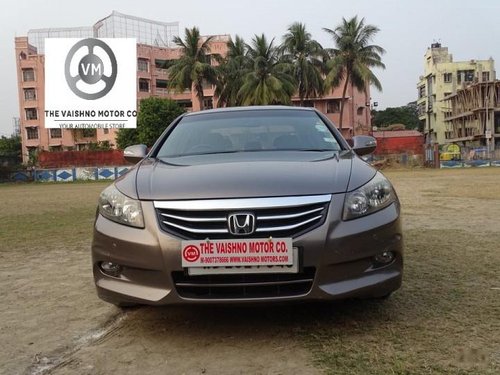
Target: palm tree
306, 55
231, 72
269, 80
353, 57
193, 68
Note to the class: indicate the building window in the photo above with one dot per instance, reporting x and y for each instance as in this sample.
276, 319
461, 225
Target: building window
55, 133
186, 104
164, 64
32, 133
31, 114
486, 76
143, 85
333, 106
143, 65
29, 94
28, 75
421, 109
55, 148
360, 111
82, 147
421, 91
161, 83
106, 131
465, 76
447, 77
88, 133
208, 103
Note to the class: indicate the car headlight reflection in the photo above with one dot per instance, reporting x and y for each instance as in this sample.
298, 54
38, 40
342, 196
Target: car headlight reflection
378, 193
118, 207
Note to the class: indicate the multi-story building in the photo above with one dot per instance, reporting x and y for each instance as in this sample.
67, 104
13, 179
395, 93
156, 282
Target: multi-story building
472, 118
155, 54
357, 113
442, 78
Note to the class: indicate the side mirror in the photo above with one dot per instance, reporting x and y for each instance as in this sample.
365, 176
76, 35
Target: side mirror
135, 153
364, 144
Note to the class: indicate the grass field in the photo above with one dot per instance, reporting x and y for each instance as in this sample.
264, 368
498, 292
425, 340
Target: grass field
445, 319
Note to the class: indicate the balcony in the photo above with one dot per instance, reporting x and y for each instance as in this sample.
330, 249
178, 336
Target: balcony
161, 72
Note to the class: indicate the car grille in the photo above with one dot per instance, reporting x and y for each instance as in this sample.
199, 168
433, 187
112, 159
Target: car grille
244, 285
276, 217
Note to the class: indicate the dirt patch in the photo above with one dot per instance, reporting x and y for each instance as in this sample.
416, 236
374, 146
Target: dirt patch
53, 322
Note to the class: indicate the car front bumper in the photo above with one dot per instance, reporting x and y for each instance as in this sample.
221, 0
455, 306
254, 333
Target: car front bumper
337, 258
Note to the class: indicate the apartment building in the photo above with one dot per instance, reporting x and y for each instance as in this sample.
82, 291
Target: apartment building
472, 118
442, 78
155, 54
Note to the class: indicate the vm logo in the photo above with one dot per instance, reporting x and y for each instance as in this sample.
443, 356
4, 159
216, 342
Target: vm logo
91, 68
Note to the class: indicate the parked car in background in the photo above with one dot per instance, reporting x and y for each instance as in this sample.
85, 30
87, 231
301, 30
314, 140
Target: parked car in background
250, 204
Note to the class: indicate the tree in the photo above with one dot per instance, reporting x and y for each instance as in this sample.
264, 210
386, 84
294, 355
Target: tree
10, 147
193, 68
230, 73
406, 115
10, 155
154, 115
353, 57
306, 56
269, 80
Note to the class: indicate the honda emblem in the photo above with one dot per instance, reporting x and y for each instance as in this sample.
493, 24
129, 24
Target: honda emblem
241, 224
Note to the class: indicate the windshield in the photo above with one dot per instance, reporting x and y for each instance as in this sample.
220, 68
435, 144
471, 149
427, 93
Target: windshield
248, 131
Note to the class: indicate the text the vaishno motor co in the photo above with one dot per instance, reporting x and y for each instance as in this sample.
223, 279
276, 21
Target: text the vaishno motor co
90, 113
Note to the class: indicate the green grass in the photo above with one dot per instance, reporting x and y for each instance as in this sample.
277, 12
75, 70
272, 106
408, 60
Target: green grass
42, 214
444, 320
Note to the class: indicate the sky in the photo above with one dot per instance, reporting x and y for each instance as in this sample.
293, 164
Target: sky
470, 29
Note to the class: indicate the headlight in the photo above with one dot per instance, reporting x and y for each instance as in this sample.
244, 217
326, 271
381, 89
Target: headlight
118, 207
378, 193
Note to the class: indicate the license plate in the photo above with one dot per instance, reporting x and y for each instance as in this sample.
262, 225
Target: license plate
275, 255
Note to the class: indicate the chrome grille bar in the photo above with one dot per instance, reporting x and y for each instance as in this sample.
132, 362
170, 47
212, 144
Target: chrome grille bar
287, 227
242, 203
196, 230
291, 216
196, 219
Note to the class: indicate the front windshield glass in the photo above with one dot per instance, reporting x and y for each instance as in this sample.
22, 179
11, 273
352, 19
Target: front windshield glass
248, 131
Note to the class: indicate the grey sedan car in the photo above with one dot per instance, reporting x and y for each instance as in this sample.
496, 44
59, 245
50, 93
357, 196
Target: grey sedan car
252, 204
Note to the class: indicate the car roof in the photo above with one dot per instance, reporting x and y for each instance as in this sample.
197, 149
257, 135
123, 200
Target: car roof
249, 108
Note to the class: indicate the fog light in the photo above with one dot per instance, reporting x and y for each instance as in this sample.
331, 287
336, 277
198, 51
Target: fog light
111, 269
384, 258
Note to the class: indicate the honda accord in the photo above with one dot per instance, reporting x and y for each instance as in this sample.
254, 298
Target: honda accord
251, 204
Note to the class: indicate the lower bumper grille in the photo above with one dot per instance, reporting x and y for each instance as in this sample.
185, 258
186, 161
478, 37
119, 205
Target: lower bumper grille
244, 286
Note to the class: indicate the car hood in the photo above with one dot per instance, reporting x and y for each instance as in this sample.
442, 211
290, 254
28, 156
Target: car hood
248, 175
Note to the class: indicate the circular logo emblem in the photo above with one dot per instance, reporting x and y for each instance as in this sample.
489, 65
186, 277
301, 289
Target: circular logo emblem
191, 253
90, 68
